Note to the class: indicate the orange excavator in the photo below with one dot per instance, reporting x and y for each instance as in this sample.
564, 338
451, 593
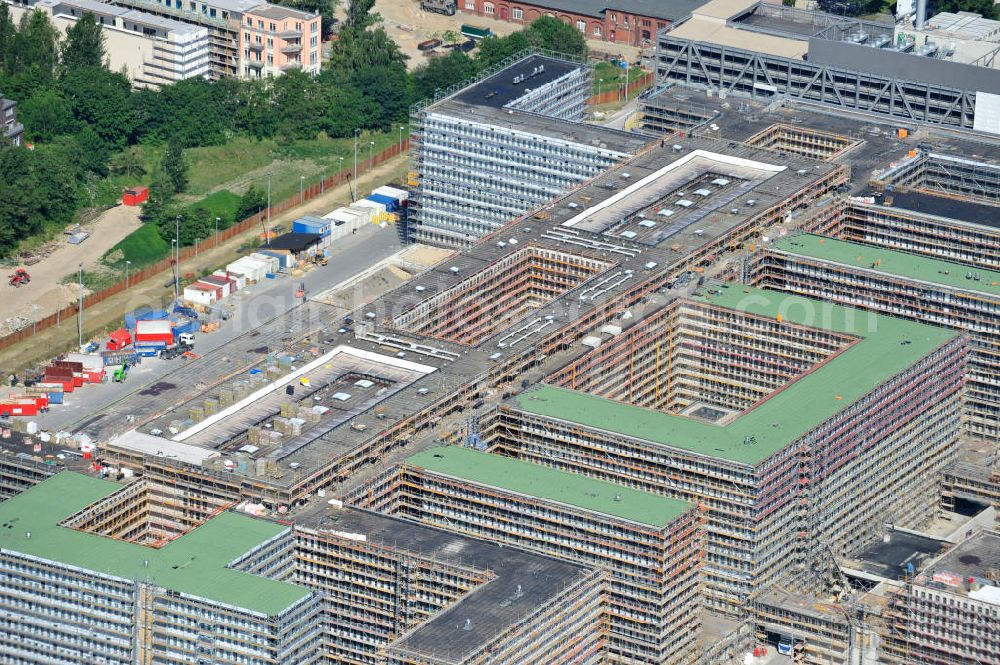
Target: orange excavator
19, 277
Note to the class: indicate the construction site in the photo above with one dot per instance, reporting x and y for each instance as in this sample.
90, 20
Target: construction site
651, 547
723, 390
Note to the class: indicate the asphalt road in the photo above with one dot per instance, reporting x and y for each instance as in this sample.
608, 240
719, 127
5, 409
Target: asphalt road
258, 304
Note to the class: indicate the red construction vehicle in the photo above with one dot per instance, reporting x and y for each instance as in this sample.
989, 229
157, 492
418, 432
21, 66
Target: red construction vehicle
19, 277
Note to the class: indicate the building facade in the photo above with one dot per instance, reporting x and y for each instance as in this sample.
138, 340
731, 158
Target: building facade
702, 416
650, 546
72, 594
497, 148
12, 130
151, 50
276, 39
900, 284
629, 22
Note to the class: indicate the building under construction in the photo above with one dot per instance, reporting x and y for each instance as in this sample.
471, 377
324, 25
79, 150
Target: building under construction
488, 150
401, 593
800, 426
81, 584
650, 546
904, 285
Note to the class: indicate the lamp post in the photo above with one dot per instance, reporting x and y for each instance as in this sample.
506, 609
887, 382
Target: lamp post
177, 263
401, 139
268, 230
302, 182
176, 278
371, 146
79, 309
356, 133
127, 264
217, 220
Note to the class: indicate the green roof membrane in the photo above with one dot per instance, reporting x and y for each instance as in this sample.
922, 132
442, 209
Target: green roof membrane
899, 264
194, 564
542, 482
789, 413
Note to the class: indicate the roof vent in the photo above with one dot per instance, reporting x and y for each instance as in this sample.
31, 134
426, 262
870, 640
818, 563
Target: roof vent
453, 269
618, 497
467, 625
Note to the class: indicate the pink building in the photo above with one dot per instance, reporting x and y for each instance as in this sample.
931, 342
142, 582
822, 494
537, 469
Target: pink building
277, 39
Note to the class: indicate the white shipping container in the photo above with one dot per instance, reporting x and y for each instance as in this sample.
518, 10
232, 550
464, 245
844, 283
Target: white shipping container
273, 265
200, 294
238, 278
368, 203
364, 212
398, 194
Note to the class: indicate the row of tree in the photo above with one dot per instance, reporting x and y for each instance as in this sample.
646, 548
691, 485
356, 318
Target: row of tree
85, 120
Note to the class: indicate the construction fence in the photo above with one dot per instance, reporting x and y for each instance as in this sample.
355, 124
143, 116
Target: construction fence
140, 276
632, 88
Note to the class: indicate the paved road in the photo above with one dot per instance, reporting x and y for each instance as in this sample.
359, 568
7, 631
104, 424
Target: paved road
259, 304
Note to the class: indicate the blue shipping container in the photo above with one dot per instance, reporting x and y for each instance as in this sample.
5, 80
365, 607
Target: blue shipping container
311, 224
390, 203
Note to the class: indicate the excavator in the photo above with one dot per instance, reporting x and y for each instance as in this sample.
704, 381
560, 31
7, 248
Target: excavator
121, 373
19, 277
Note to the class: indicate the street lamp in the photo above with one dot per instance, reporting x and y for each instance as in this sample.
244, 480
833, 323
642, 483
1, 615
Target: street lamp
127, 264
356, 133
302, 182
79, 309
177, 264
176, 267
371, 146
217, 220
268, 230
400, 139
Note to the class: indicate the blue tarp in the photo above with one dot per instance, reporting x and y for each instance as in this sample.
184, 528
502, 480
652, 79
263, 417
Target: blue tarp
389, 202
144, 314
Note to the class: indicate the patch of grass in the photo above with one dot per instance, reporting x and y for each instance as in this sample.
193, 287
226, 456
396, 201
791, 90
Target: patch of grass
243, 161
142, 247
609, 77
222, 203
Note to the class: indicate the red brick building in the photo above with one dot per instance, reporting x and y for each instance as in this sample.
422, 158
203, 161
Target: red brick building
632, 22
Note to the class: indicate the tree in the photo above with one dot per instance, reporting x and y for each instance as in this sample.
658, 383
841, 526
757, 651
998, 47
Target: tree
440, 73
849, 7
252, 201
175, 167
128, 163
555, 35
84, 45
325, 8
154, 210
984, 8
360, 15
101, 99
92, 151
495, 49
35, 45
46, 115
7, 35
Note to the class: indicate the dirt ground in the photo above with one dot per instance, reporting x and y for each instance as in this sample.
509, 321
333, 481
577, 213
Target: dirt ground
108, 313
409, 25
44, 295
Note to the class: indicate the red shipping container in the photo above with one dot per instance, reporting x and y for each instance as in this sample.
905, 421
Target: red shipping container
119, 339
153, 331
134, 196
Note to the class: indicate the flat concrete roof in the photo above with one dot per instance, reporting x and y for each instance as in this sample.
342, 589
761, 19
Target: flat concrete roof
491, 607
788, 413
702, 28
539, 482
196, 563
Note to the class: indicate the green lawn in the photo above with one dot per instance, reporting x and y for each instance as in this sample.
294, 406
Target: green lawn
222, 203
142, 247
609, 77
